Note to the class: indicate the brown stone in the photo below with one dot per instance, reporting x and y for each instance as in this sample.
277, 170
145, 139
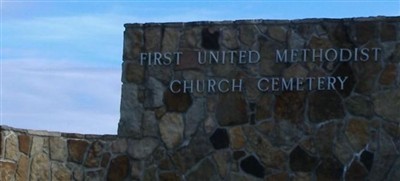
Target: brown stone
106, 158
7, 170
278, 177
357, 132
77, 150
228, 102
118, 169
24, 143
237, 138
93, 158
356, 171
133, 72
23, 168
267, 53
324, 106
290, 106
169, 176
277, 32
191, 37
343, 150
388, 32
40, 167
368, 76
177, 102
320, 43
264, 107
388, 75
133, 43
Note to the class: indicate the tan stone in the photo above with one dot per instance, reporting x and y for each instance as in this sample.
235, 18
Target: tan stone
229, 38
7, 171
277, 32
24, 142
221, 158
60, 172
387, 104
152, 38
119, 146
40, 167
133, 72
11, 151
247, 34
133, 43
23, 168
171, 129
170, 40
237, 138
142, 148
39, 145
58, 149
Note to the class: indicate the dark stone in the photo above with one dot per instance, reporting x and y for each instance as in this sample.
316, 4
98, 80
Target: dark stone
198, 148
238, 154
150, 174
231, 110
345, 70
325, 105
133, 72
77, 150
388, 32
324, 139
300, 161
252, 166
119, 168
169, 176
367, 74
340, 36
365, 31
179, 102
204, 171
105, 160
220, 139
356, 171
24, 142
367, 158
290, 106
388, 75
209, 40
330, 169
360, 106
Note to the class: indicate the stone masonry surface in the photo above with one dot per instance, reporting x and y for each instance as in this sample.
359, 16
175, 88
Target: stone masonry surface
351, 133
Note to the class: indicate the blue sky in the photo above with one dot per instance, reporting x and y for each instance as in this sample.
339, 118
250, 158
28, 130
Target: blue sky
61, 60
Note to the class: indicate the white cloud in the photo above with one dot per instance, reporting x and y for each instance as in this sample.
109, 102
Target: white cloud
60, 96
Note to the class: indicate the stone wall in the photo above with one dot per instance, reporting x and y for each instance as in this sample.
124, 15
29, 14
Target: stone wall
314, 130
